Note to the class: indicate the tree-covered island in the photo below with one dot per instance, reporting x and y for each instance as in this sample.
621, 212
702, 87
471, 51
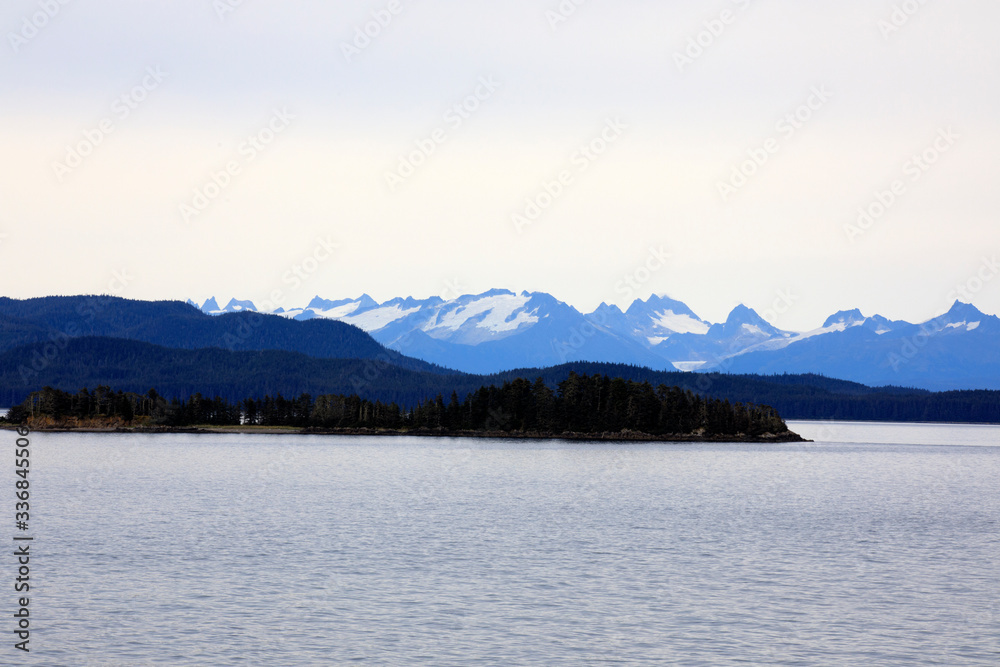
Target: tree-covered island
594, 407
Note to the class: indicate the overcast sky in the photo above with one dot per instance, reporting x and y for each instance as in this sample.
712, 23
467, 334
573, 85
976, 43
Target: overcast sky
187, 149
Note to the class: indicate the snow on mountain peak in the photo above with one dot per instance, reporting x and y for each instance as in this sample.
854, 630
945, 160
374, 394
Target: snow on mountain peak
378, 318
881, 325
659, 317
963, 311
962, 317
521, 329
848, 318
742, 314
499, 292
679, 322
497, 311
410, 302
236, 306
325, 304
335, 310
659, 303
366, 301
744, 327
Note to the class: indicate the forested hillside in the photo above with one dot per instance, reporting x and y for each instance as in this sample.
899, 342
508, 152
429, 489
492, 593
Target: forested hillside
56, 320
135, 367
584, 405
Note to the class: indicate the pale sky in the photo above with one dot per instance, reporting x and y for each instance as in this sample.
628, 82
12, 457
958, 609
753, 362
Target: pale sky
149, 211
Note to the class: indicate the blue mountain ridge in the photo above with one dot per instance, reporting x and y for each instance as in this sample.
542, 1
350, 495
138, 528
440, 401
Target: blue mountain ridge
499, 329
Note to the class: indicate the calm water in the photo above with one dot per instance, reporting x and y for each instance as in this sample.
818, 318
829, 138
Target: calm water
878, 546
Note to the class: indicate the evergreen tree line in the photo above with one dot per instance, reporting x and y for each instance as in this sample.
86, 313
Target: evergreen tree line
134, 366
581, 404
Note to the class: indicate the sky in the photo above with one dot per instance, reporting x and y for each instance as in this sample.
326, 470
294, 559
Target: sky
799, 158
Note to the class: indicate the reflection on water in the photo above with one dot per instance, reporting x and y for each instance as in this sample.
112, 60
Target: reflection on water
233, 550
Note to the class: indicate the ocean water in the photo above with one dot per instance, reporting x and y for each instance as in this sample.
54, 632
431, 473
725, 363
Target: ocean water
875, 545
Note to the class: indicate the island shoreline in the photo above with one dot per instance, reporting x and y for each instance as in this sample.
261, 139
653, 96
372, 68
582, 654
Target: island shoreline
623, 436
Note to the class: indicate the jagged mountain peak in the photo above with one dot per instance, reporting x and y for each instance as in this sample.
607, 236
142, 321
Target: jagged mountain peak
366, 301
882, 325
608, 309
846, 317
745, 326
319, 303
963, 317
339, 308
659, 302
962, 311
545, 304
659, 317
498, 292
412, 302
237, 306
500, 329
743, 314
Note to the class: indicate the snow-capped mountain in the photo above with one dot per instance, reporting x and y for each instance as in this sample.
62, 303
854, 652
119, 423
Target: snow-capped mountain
698, 345
651, 323
844, 319
498, 330
235, 306
501, 330
744, 329
482, 333
211, 306
964, 317
959, 349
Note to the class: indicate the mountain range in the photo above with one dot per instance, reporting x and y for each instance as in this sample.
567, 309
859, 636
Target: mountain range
499, 330
69, 343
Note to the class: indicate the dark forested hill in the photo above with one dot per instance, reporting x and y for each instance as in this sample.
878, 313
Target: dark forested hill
135, 366
178, 325
803, 396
